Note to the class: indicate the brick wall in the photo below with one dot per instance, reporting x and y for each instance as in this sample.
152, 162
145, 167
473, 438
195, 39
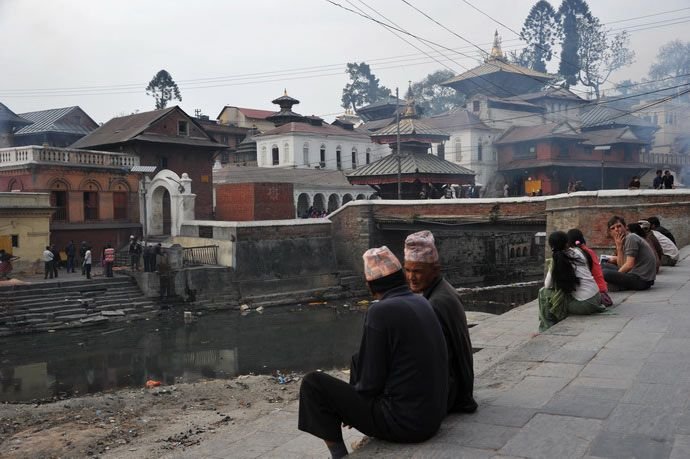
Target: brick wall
254, 201
590, 212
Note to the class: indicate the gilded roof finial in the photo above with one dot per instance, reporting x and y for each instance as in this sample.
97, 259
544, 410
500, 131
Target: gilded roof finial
410, 111
496, 51
285, 92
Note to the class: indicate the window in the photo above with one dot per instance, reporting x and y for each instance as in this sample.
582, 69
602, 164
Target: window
182, 128
338, 158
368, 158
322, 156
15, 241
90, 205
276, 155
354, 158
286, 153
441, 151
305, 154
562, 150
58, 199
120, 205
458, 149
475, 105
162, 162
526, 150
479, 151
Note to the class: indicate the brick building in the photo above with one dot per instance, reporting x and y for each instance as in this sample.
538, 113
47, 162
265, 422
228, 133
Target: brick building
168, 139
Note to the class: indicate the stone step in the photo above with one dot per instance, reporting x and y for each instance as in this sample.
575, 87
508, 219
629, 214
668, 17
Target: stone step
298, 296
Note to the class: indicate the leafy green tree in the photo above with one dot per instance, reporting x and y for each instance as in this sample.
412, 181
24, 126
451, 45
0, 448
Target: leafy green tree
571, 13
540, 31
163, 88
672, 60
523, 58
599, 56
433, 98
364, 88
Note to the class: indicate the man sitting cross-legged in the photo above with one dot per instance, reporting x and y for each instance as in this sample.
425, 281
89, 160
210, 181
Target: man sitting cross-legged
634, 265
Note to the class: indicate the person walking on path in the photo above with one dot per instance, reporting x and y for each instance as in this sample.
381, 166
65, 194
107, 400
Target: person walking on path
71, 252
423, 274
108, 259
87, 262
47, 263
569, 287
56, 260
134, 253
577, 241
399, 380
82, 253
634, 265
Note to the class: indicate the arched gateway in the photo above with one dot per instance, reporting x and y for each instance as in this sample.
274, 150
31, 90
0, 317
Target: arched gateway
169, 202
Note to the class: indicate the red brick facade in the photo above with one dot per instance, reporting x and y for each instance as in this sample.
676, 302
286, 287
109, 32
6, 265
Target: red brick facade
254, 201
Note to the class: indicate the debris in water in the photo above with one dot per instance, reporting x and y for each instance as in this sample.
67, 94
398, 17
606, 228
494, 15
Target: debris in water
151, 383
244, 307
363, 302
315, 303
260, 309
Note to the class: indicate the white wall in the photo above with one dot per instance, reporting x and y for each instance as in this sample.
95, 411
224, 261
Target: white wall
293, 156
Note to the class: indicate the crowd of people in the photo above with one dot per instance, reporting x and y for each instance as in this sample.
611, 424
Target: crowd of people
414, 363
577, 280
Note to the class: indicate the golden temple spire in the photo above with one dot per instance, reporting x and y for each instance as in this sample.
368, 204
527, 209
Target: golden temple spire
409, 105
496, 51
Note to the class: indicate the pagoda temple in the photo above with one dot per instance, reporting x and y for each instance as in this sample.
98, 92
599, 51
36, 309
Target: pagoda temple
422, 175
498, 77
285, 115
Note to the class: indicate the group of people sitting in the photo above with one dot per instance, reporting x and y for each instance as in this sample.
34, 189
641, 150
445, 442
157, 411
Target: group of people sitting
414, 363
577, 281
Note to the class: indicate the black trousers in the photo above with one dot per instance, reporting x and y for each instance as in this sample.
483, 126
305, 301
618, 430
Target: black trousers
626, 281
326, 402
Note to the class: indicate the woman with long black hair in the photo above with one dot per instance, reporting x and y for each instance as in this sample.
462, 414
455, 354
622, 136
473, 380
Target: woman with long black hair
577, 241
569, 287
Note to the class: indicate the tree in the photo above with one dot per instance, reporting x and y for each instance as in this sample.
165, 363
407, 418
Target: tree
600, 56
434, 98
672, 60
571, 13
364, 87
524, 58
163, 88
540, 30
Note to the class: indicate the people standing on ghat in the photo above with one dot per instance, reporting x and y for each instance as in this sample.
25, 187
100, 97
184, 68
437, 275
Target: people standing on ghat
634, 183
148, 252
634, 265
668, 180
656, 226
134, 253
87, 262
399, 386
423, 274
577, 241
658, 182
56, 259
82, 254
569, 287
157, 251
669, 251
108, 259
71, 252
47, 263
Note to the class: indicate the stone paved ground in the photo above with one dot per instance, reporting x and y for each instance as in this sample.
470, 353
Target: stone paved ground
606, 386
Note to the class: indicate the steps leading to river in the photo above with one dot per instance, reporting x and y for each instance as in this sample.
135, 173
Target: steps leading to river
65, 304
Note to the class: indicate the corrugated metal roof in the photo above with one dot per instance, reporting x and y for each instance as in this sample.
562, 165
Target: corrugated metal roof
495, 65
541, 131
550, 93
7, 116
600, 115
417, 163
611, 136
51, 120
307, 128
455, 120
410, 127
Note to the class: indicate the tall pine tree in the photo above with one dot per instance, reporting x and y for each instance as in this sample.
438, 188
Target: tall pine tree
540, 31
571, 13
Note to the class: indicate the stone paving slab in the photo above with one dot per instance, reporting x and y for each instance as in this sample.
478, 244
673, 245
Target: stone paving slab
604, 386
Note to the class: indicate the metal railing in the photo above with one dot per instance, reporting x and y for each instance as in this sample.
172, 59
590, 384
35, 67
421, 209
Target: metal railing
202, 255
665, 159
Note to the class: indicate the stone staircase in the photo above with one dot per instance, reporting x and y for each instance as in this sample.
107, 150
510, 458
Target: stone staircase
68, 304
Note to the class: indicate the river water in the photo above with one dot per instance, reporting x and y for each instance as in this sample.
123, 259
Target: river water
218, 345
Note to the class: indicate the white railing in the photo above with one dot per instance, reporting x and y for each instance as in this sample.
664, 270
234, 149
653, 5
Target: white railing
17, 156
666, 159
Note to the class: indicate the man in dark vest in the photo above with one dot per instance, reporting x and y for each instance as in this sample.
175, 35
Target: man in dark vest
400, 388
423, 273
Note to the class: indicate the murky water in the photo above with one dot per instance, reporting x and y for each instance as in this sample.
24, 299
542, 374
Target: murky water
220, 345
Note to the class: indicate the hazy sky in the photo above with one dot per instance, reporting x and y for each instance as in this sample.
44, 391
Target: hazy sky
101, 54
